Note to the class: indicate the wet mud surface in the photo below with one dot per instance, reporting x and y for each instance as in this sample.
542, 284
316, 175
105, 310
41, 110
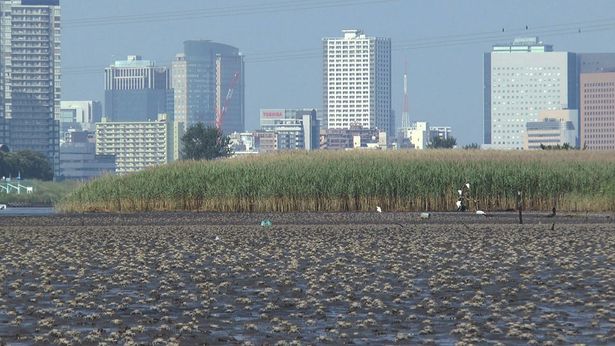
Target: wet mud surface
356, 278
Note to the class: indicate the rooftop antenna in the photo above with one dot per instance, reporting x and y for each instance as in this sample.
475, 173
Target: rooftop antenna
405, 116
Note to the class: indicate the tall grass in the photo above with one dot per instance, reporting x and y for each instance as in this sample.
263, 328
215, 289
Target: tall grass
359, 181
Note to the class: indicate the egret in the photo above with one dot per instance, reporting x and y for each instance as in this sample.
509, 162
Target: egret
217, 238
480, 212
468, 185
458, 204
378, 209
459, 192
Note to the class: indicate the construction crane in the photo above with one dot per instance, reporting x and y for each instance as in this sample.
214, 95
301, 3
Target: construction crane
220, 111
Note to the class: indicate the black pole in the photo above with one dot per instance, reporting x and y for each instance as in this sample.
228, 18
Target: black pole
520, 207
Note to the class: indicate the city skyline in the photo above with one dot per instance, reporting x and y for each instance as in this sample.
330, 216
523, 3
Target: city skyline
441, 40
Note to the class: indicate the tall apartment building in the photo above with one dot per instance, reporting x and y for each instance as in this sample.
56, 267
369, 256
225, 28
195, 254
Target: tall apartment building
598, 110
208, 78
357, 82
520, 80
30, 76
137, 90
138, 145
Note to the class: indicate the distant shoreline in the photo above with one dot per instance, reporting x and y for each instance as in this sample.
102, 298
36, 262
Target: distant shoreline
215, 219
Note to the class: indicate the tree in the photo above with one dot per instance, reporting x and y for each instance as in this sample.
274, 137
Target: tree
441, 143
565, 146
471, 146
205, 143
25, 164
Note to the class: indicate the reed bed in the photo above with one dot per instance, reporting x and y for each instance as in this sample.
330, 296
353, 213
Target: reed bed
360, 181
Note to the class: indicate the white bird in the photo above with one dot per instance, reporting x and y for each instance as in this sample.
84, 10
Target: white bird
480, 212
468, 185
378, 209
458, 204
217, 238
459, 192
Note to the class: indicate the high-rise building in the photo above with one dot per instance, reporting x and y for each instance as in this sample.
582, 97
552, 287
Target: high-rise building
30, 76
208, 79
137, 90
521, 80
357, 82
598, 110
596, 62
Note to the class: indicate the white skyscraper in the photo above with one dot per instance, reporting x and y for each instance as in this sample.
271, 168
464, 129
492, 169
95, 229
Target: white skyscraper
357, 82
523, 79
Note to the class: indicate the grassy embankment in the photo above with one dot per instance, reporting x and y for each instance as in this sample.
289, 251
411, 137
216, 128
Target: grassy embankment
45, 193
341, 181
344, 181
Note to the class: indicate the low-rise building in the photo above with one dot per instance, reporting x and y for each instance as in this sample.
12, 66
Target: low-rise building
78, 158
419, 135
444, 132
81, 115
294, 128
555, 128
138, 145
353, 138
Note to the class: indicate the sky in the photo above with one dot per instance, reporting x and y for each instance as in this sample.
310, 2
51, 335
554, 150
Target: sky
441, 41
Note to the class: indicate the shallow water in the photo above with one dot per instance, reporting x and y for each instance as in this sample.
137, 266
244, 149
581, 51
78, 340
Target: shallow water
411, 285
27, 212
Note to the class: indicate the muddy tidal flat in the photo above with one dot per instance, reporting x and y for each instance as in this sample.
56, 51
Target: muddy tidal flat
348, 278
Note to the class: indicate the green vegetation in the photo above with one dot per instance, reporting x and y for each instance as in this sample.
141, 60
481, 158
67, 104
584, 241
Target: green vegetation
442, 143
44, 192
566, 146
471, 146
343, 181
205, 143
26, 164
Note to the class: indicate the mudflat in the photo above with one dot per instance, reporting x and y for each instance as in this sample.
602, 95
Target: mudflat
363, 278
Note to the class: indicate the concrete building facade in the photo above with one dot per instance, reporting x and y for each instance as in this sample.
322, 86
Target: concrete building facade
138, 145
357, 82
554, 128
520, 80
208, 78
78, 116
137, 90
353, 138
78, 159
295, 128
30, 77
597, 111
419, 134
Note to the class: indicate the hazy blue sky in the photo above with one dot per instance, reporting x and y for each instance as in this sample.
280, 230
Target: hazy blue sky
443, 42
